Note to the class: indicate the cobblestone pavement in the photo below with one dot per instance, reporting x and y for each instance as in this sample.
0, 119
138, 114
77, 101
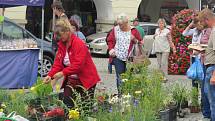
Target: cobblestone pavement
108, 81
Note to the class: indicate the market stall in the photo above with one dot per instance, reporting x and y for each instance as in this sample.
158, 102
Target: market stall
19, 57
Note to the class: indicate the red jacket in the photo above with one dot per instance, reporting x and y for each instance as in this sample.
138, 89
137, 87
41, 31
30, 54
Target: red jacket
80, 61
112, 41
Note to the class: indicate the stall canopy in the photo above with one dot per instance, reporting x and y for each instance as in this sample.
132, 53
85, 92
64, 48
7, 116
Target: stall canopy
11, 3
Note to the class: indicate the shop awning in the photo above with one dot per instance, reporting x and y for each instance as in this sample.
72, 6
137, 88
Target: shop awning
11, 3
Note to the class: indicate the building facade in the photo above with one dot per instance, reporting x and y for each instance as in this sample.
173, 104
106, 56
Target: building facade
101, 14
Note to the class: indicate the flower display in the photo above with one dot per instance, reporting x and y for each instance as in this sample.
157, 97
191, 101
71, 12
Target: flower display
74, 114
179, 63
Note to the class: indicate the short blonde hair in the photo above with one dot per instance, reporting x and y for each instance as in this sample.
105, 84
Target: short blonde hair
63, 25
162, 20
206, 14
122, 18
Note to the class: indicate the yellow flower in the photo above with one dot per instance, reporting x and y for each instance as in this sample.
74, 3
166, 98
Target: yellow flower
3, 105
21, 91
32, 88
138, 92
58, 88
1, 110
74, 114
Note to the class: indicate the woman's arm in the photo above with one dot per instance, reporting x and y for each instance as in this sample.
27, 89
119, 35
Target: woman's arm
57, 66
169, 38
188, 31
135, 36
111, 40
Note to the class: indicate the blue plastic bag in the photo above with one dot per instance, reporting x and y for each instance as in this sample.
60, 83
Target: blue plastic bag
196, 71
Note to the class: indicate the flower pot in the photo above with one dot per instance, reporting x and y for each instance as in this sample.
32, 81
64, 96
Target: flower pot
173, 113
194, 109
183, 105
169, 114
164, 115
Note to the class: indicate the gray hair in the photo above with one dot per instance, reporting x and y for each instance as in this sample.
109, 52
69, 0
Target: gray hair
122, 18
162, 20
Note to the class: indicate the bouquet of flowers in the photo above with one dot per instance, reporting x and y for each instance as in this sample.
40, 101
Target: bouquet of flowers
179, 63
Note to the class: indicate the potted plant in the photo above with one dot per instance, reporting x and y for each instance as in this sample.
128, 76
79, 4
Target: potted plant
194, 107
180, 95
169, 110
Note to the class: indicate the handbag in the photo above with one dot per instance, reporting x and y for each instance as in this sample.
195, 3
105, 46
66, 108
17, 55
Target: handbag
138, 56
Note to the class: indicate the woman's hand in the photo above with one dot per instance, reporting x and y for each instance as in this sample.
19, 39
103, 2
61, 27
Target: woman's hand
58, 75
47, 79
174, 51
112, 53
191, 25
134, 39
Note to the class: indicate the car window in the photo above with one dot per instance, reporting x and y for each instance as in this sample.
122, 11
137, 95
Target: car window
27, 35
11, 31
145, 29
151, 30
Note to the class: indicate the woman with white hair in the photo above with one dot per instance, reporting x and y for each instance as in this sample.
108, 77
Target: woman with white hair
120, 41
162, 44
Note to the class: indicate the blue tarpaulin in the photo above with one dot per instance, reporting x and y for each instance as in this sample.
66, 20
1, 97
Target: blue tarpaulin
18, 68
11, 3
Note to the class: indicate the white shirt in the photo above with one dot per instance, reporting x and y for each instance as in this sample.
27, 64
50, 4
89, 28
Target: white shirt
123, 40
195, 33
66, 62
161, 43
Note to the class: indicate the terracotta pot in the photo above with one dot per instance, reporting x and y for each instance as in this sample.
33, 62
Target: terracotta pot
194, 109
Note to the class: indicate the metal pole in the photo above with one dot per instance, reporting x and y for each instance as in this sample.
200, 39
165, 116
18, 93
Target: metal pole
42, 37
53, 19
200, 5
2, 26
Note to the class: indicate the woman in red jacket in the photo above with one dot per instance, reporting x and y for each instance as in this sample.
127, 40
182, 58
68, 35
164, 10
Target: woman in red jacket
120, 41
73, 62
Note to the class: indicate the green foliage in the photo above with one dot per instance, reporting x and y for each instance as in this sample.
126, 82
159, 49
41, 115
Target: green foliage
180, 94
194, 97
17, 103
40, 89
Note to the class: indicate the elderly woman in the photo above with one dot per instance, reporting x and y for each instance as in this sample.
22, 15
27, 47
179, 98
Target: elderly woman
120, 41
73, 62
162, 44
76, 30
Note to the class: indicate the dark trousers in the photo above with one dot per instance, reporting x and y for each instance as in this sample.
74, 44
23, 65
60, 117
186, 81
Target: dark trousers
120, 67
110, 68
78, 94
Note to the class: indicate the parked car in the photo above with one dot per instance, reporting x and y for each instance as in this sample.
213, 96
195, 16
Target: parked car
97, 44
12, 30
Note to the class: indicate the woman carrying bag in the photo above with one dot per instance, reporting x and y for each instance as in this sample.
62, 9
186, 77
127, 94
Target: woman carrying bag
120, 42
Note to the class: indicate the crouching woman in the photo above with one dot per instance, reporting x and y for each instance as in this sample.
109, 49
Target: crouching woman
73, 62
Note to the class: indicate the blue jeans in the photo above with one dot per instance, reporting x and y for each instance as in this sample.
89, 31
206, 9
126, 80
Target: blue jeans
120, 67
204, 99
210, 90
